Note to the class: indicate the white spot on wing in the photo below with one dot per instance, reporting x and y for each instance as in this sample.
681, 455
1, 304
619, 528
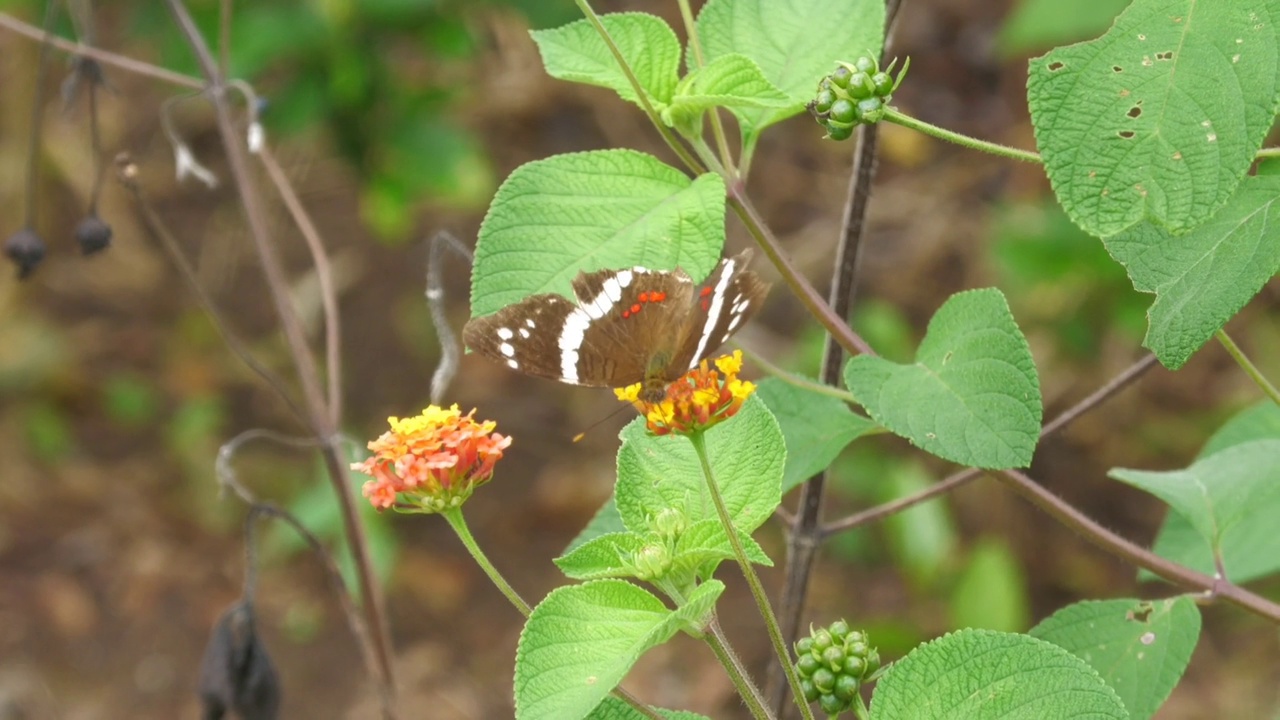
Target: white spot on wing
511, 363
505, 333
528, 322
524, 333
507, 349
713, 313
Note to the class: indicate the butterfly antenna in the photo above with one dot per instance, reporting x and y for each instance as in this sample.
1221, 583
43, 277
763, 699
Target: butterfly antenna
597, 423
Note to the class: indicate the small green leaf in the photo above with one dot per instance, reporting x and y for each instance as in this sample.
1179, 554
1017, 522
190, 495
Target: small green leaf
581, 640
971, 397
989, 675
746, 453
1221, 495
1140, 647
585, 211
606, 520
815, 427
703, 546
1252, 548
1160, 118
617, 709
991, 592
794, 43
604, 556
733, 81
1201, 279
577, 53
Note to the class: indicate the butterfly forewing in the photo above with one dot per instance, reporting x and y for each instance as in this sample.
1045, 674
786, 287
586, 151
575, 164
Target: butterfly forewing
524, 336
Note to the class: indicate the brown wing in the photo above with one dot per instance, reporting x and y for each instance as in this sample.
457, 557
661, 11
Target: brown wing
726, 301
523, 336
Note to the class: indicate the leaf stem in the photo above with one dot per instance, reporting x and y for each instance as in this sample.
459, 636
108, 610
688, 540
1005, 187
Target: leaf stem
672, 141
899, 118
717, 128
799, 381
1247, 365
750, 694
753, 581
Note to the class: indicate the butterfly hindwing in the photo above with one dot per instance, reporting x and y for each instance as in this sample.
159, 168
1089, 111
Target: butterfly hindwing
726, 300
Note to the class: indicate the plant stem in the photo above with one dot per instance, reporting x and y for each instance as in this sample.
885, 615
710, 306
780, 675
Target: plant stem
717, 128
753, 581
1247, 365
896, 117
799, 381
750, 694
459, 525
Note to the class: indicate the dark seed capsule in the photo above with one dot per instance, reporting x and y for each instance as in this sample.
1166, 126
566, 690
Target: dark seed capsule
93, 235
823, 102
236, 675
26, 250
840, 76
865, 64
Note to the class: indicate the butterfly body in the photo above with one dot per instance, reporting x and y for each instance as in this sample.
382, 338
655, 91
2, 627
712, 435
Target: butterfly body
633, 325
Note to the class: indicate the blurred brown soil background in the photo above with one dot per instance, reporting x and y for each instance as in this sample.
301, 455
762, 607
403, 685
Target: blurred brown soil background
117, 552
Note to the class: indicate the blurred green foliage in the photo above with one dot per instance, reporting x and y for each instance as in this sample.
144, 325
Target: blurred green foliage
1037, 25
381, 79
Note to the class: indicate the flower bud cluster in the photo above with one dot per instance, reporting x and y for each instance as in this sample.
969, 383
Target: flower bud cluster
856, 92
832, 662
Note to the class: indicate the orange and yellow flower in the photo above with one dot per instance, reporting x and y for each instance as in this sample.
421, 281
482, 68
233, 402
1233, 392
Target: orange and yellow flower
695, 402
432, 461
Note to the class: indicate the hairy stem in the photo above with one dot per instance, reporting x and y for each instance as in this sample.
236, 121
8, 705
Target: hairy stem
1247, 365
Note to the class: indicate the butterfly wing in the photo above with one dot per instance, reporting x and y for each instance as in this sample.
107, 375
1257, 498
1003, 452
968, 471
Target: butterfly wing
726, 300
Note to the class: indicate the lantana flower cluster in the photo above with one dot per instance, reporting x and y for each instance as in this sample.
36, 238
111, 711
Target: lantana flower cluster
698, 400
431, 462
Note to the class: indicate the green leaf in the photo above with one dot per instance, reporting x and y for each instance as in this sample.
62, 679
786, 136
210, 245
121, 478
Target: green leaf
794, 43
746, 454
1140, 647
733, 81
606, 520
1201, 279
1221, 496
815, 427
704, 545
989, 675
604, 556
1160, 118
971, 397
991, 592
586, 211
1038, 24
581, 640
577, 53
1252, 548
616, 709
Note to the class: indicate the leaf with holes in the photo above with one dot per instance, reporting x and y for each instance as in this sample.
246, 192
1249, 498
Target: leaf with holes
577, 53
972, 395
1203, 278
1222, 495
1140, 647
585, 211
794, 43
989, 675
1159, 118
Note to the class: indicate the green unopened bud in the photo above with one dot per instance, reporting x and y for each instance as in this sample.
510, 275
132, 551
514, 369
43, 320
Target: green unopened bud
871, 110
833, 657
846, 687
883, 84
651, 561
824, 679
860, 87
838, 629
838, 131
809, 690
804, 645
865, 64
669, 523
840, 76
843, 111
807, 664
823, 101
832, 705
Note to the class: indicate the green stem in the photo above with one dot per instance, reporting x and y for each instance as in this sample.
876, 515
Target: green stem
1269, 152
1247, 365
894, 116
672, 141
750, 694
860, 708
717, 129
459, 525
753, 580
797, 380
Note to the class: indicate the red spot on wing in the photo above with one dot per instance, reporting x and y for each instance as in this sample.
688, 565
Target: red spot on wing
635, 308
705, 291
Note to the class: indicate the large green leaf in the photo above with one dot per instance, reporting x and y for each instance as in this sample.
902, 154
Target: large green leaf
732, 81
1224, 496
1252, 548
1201, 279
972, 396
585, 211
989, 675
815, 427
581, 640
1159, 118
615, 709
795, 43
1140, 647
577, 53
